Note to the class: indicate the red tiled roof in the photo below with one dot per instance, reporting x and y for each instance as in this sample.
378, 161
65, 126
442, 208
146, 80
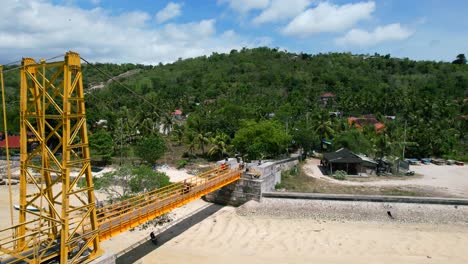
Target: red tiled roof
379, 126
359, 122
326, 95
177, 112
13, 142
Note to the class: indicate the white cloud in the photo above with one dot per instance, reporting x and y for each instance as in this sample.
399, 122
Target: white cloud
359, 37
170, 11
40, 29
328, 17
244, 6
280, 10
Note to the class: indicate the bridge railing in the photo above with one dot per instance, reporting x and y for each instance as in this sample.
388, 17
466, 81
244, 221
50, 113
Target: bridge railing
124, 215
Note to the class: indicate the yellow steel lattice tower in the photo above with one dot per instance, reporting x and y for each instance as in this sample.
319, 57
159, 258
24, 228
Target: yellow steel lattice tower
57, 216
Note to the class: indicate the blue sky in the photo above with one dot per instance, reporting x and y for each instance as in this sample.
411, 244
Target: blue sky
149, 31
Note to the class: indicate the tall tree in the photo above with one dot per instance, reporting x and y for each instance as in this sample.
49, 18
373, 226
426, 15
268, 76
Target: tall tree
324, 126
127, 181
151, 148
101, 145
461, 59
263, 139
220, 146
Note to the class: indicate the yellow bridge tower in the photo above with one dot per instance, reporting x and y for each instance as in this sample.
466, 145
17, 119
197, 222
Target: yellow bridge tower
57, 216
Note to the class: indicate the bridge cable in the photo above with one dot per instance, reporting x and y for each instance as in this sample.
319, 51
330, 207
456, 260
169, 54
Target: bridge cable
120, 83
7, 151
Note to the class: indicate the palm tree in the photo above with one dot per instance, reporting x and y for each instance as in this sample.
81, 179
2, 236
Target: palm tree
196, 127
202, 139
148, 122
167, 124
324, 126
191, 142
177, 133
220, 145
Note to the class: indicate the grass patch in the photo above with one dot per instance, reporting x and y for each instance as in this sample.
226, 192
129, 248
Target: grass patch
303, 183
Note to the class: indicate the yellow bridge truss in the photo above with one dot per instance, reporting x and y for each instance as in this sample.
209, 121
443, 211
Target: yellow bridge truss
58, 220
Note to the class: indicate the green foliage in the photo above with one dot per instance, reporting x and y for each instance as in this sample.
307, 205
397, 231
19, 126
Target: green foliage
306, 138
220, 146
461, 59
263, 139
146, 179
151, 148
353, 140
278, 186
324, 126
340, 175
126, 181
182, 163
197, 133
101, 144
220, 90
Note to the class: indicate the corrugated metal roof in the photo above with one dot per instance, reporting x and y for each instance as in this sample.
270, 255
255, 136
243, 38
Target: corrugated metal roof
342, 156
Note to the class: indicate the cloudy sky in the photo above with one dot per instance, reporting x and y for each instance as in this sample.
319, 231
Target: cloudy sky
153, 31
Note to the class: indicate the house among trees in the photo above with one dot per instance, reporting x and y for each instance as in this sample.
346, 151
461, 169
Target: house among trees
360, 122
327, 99
177, 114
13, 142
345, 160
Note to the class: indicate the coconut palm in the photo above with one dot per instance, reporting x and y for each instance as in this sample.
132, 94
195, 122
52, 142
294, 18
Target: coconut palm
324, 126
220, 146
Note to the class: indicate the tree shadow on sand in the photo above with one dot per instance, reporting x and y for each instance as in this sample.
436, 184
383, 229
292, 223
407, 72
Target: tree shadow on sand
145, 246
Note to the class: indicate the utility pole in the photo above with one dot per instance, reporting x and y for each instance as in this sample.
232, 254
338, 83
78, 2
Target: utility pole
121, 139
404, 141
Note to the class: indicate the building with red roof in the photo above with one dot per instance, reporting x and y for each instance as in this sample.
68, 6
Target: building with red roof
360, 122
13, 142
178, 114
327, 99
327, 95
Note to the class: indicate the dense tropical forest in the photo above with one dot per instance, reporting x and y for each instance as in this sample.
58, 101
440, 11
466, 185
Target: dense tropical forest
264, 103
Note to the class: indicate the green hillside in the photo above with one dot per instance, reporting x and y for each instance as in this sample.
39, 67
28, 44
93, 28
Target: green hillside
263, 89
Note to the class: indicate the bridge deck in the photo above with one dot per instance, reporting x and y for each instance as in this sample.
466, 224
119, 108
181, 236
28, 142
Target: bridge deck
122, 216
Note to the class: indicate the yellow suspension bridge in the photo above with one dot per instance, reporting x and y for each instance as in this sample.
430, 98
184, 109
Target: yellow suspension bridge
66, 225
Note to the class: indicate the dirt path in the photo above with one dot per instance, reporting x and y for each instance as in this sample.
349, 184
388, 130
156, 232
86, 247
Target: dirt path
449, 179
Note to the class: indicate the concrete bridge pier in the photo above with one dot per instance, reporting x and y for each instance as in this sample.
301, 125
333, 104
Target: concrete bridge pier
257, 177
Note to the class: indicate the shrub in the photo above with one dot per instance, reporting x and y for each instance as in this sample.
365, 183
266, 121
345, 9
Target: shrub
340, 175
181, 164
279, 186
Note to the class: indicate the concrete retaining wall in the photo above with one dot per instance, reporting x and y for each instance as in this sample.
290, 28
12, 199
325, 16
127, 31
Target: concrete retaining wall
366, 198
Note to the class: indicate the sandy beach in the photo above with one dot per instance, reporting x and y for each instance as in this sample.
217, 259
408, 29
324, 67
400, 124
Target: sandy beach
306, 232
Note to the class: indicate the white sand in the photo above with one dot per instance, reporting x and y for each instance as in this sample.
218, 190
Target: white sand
227, 237
174, 174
